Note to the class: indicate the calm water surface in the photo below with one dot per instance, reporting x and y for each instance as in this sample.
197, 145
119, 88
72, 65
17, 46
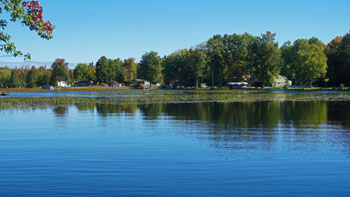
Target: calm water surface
206, 149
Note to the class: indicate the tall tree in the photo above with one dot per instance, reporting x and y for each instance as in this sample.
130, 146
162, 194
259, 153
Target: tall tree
103, 72
32, 78
150, 67
335, 70
216, 60
130, 69
23, 77
84, 72
198, 65
338, 53
117, 73
14, 79
345, 57
176, 67
5, 75
44, 76
237, 55
265, 61
306, 60
59, 71
287, 57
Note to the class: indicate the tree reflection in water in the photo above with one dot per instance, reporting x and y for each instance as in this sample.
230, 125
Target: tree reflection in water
238, 116
60, 111
266, 121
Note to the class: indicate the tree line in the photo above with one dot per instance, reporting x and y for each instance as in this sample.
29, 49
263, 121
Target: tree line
221, 59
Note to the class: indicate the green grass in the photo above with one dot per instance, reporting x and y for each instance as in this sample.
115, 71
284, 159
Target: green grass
71, 89
120, 89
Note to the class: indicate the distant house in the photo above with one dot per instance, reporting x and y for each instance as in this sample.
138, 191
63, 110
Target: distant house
116, 84
47, 87
62, 84
203, 85
281, 81
140, 83
83, 84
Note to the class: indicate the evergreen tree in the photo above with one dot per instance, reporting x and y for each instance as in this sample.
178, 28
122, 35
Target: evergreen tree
150, 67
14, 80
103, 72
32, 78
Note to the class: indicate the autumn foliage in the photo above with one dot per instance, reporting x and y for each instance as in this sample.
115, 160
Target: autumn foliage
34, 9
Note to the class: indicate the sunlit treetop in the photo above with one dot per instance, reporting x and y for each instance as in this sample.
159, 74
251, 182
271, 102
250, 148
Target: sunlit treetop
30, 14
335, 43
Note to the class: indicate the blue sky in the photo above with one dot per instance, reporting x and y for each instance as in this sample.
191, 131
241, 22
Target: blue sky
88, 29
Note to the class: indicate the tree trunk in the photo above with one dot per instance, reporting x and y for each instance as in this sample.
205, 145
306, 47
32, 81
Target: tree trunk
212, 79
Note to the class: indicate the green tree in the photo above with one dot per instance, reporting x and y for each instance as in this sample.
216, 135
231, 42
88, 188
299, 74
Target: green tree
103, 72
5, 75
176, 67
306, 60
84, 72
60, 71
130, 69
228, 57
287, 57
108, 70
237, 53
32, 76
23, 77
44, 76
29, 13
198, 65
117, 73
150, 67
216, 60
14, 80
266, 60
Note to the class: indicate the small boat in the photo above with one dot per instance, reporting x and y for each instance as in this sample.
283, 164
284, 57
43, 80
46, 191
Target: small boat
3, 94
237, 85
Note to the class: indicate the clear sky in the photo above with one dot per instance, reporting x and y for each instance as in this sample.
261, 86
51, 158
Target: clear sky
88, 29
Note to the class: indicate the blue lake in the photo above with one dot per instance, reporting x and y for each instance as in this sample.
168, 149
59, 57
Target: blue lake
268, 148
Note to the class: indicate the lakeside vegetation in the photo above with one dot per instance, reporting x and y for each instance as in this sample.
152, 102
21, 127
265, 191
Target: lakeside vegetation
219, 60
157, 96
70, 89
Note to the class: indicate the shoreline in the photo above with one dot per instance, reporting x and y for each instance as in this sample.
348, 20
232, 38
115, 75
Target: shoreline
156, 96
117, 89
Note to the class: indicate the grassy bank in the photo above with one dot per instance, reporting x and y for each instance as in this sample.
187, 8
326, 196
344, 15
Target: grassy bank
155, 96
116, 89
71, 89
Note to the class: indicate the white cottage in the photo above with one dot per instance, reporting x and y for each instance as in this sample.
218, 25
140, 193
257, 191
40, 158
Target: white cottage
281, 81
62, 84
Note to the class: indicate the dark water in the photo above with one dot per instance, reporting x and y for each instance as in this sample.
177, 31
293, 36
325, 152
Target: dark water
206, 149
